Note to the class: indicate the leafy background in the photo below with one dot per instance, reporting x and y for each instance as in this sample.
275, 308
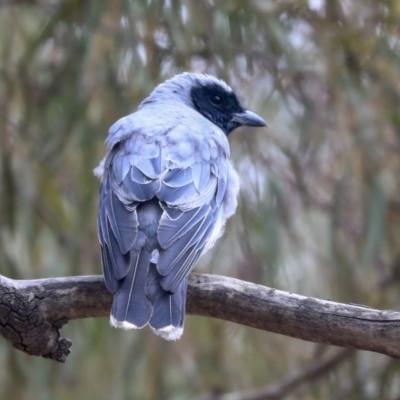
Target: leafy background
319, 211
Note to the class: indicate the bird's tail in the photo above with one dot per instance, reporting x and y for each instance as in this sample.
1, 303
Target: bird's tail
141, 300
168, 308
131, 308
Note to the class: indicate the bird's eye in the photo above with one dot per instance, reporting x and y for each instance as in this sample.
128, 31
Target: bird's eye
217, 100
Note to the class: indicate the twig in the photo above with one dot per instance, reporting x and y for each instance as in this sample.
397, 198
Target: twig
283, 387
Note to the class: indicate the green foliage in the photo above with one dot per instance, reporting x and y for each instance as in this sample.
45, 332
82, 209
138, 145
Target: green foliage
319, 211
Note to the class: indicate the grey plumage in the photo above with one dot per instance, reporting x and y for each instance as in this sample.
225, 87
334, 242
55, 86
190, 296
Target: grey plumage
167, 189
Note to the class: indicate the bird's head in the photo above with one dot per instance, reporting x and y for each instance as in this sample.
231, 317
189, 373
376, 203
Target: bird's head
211, 97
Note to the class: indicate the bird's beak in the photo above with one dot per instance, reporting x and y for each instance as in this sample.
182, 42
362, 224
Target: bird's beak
248, 118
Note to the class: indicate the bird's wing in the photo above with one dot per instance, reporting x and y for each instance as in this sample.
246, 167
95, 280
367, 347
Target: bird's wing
191, 198
128, 180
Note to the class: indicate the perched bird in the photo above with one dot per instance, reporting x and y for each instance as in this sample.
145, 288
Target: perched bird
167, 189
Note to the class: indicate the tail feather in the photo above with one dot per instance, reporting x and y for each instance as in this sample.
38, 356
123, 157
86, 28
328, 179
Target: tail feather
131, 307
169, 308
141, 300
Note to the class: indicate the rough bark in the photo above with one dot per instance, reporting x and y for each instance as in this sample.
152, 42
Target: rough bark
33, 311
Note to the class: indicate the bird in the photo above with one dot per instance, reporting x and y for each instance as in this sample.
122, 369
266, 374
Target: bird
167, 187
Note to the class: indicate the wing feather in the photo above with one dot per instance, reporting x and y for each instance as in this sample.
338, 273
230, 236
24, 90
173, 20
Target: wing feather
178, 177
118, 261
136, 191
121, 166
117, 230
109, 276
123, 222
184, 259
191, 198
151, 167
201, 175
138, 176
172, 229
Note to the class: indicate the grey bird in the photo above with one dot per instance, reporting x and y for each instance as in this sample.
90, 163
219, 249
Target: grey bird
167, 189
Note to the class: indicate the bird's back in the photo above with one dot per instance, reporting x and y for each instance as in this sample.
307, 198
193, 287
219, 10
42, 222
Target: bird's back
163, 190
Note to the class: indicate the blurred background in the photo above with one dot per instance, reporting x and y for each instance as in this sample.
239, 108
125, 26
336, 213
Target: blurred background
319, 212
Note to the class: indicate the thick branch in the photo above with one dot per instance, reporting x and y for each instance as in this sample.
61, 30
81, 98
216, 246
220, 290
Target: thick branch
31, 312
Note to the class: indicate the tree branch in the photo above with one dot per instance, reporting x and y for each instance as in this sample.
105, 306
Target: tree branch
288, 384
32, 312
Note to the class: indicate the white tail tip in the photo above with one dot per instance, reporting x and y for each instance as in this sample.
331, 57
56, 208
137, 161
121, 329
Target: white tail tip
122, 324
169, 332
